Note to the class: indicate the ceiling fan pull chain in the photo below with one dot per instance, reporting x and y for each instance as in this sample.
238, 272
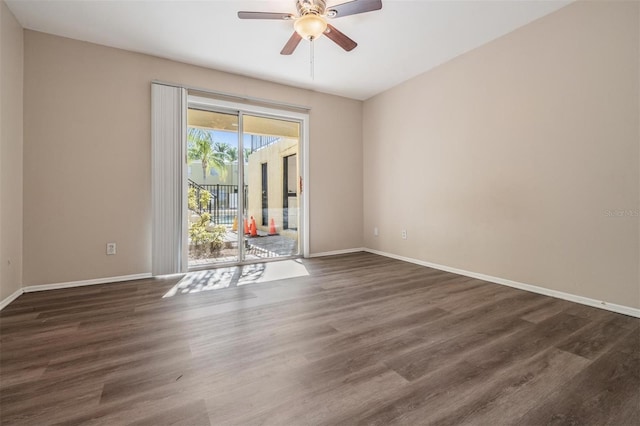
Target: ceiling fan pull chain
311, 60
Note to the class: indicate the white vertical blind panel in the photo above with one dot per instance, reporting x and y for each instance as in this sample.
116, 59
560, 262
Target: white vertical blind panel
168, 147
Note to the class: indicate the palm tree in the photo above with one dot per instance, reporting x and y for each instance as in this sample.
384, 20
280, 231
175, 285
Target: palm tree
233, 154
227, 152
200, 147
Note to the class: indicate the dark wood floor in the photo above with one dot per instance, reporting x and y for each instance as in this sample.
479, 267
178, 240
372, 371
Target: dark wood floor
361, 340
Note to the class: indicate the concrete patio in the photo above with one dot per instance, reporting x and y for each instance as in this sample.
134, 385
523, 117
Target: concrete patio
263, 246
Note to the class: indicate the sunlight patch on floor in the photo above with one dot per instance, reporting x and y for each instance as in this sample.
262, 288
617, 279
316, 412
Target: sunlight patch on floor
220, 278
276, 271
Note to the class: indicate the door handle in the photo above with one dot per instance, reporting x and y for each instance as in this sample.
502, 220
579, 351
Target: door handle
300, 179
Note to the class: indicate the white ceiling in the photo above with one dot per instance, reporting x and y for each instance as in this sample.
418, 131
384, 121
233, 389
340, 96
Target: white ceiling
404, 39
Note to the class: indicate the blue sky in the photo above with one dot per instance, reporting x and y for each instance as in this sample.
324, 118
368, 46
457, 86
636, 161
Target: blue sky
230, 138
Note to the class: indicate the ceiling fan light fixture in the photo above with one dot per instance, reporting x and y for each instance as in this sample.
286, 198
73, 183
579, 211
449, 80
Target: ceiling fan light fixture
310, 22
310, 26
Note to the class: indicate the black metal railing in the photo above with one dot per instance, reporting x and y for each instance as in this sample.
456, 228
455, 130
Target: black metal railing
259, 141
223, 205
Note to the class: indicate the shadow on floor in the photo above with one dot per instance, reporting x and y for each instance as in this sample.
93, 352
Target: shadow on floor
236, 276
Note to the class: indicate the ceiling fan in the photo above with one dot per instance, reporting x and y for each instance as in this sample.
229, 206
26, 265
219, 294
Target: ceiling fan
311, 21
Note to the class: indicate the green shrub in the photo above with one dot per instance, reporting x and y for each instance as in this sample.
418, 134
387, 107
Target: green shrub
217, 237
204, 240
203, 202
205, 197
200, 236
191, 199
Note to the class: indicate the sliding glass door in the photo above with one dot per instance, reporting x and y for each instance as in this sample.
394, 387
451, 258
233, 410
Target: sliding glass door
214, 187
244, 183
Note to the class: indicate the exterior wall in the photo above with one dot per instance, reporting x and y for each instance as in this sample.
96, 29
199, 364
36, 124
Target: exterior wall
273, 155
11, 149
195, 174
72, 88
519, 159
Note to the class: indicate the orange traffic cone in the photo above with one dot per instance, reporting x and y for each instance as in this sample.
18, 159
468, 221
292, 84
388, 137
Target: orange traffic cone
246, 226
253, 228
235, 224
272, 227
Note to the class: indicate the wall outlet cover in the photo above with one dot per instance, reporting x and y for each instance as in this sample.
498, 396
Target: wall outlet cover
111, 249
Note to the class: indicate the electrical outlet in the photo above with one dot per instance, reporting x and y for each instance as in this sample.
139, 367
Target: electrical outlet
404, 234
111, 249
375, 231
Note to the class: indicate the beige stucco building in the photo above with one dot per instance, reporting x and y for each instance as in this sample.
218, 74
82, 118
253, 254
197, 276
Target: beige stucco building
194, 172
273, 190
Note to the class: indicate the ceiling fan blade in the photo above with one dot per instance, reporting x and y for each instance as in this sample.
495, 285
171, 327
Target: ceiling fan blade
291, 44
265, 15
340, 39
353, 7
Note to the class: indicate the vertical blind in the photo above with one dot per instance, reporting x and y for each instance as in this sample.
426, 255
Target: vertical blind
168, 180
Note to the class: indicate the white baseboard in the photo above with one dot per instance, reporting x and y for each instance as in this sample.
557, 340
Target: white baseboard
82, 283
336, 252
11, 298
621, 309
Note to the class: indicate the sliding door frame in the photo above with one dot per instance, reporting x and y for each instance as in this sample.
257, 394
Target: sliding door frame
242, 109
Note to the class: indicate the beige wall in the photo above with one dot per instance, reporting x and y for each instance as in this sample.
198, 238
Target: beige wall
11, 79
90, 105
505, 160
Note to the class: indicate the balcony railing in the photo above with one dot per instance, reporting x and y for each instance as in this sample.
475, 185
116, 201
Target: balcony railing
258, 141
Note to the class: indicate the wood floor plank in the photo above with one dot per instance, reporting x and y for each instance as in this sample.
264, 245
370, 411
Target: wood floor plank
359, 339
194, 413
428, 358
597, 337
320, 402
504, 399
605, 392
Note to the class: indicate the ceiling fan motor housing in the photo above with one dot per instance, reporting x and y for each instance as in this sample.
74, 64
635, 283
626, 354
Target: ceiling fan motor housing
316, 7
